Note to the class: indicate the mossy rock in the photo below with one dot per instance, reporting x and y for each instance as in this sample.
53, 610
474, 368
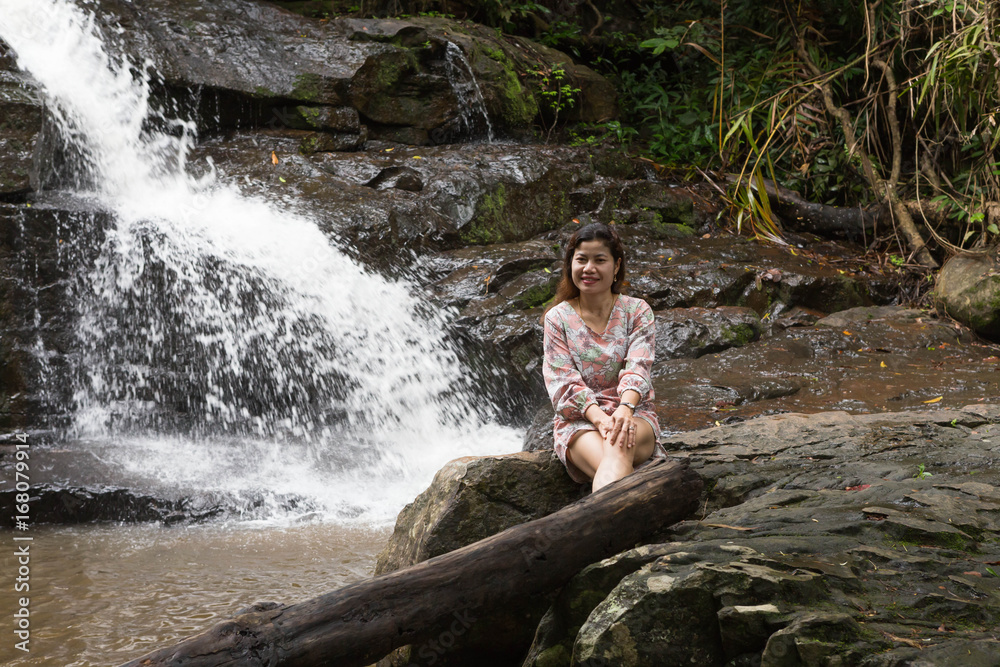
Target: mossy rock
510, 101
516, 212
396, 88
968, 287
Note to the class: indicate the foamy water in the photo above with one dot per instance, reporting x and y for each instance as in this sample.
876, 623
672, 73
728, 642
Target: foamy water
227, 346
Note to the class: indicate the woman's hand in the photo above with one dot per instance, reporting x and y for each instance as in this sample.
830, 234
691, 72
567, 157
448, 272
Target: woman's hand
601, 421
604, 426
622, 431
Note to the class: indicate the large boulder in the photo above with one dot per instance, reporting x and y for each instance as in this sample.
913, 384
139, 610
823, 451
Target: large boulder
417, 81
968, 286
471, 499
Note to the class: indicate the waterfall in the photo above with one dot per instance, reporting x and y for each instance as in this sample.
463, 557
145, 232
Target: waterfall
225, 346
469, 94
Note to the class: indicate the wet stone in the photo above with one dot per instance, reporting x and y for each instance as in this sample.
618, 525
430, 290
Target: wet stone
693, 332
322, 118
21, 118
819, 543
328, 142
968, 288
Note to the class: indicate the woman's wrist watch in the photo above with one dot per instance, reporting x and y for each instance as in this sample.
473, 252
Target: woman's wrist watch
630, 406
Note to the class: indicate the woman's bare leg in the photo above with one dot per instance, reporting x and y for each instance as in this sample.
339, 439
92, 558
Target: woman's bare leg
606, 463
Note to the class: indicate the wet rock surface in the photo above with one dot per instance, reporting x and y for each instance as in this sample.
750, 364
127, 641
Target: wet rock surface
968, 286
861, 360
413, 81
822, 539
21, 117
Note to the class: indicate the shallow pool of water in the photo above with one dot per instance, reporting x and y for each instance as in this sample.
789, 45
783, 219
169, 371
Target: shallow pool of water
107, 593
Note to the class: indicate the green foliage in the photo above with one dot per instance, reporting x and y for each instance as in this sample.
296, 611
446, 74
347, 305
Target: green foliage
556, 92
559, 33
953, 49
596, 134
739, 90
506, 14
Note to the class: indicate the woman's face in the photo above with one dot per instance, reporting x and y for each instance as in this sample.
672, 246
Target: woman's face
594, 268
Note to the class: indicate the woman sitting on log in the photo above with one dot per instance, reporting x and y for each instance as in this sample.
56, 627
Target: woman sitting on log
599, 347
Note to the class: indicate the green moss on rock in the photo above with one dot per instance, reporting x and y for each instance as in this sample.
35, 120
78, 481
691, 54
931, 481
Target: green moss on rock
308, 87
556, 656
491, 220
537, 295
518, 105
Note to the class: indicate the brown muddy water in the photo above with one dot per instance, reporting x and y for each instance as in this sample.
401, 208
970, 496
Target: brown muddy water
103, 594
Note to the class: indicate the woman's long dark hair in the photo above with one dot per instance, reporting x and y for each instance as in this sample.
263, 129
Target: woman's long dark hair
595, 231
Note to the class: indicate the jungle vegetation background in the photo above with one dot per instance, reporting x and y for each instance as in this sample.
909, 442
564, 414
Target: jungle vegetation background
886, 108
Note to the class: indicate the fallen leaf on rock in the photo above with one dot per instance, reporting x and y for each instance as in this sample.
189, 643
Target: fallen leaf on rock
274, 158
934, 400
859, 487
973, 573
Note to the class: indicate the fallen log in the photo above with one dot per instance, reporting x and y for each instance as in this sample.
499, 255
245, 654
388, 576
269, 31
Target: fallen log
823, 219
360, 623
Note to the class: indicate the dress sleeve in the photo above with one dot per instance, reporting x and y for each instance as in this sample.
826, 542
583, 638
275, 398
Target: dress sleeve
639, 355
569, 393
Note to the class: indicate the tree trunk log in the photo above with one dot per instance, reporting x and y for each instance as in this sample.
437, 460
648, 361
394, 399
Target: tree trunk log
822, 219
360, 623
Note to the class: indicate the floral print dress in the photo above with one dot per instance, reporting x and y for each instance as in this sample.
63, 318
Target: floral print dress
582, 368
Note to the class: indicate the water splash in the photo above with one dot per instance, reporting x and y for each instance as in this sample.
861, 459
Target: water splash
226, 345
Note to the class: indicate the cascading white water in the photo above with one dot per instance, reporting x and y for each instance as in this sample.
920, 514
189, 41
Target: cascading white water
226, 346
470, 95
